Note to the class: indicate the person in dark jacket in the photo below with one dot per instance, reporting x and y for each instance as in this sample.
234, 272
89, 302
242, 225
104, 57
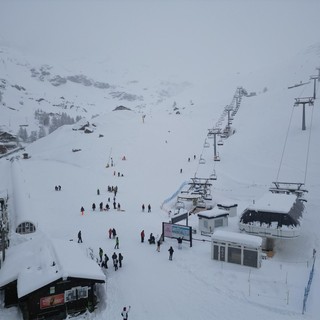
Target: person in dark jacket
158, 245
100, 254
120, 260
93, 206
125, 312
114, 233
79, 237
171, 251
149, 208
115, 261
105, 261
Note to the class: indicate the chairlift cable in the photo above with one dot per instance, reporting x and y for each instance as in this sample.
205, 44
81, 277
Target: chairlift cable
285, 143
308, 149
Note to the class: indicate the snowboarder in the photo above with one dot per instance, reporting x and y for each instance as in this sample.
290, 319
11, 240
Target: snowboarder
100, 254
149, 208
171, 251
79, 237
125, 312
142, 236
82, 211
116, 246
120, 260
143, 208
93, 206
110, 233
158, 245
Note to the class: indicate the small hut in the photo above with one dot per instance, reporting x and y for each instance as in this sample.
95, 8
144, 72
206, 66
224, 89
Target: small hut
237, 248
211, 219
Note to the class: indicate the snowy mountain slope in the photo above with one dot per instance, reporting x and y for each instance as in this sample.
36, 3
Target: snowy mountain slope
192, 285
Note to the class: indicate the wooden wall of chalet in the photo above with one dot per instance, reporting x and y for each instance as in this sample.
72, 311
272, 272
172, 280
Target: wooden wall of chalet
35, 305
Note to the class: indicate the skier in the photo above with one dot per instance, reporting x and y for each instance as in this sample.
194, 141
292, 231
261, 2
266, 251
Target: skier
120, 260
114, 233
149, 208
98, 192
116, 246
93, 206
79, 237
101, 206
110, 233
114, 205
82, 211
107, 207
143, 208
119, 207
125, 312
100, 254
142, 236
171, 251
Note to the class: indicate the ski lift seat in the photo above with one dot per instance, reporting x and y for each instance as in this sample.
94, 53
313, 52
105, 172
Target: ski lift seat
202, 160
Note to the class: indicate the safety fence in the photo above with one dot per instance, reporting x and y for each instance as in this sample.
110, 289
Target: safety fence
307, 288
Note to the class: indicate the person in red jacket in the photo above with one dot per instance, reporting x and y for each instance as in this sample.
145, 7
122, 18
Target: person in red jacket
142, 236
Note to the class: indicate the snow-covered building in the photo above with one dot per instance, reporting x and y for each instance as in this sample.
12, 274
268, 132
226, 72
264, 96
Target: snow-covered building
228, 206
211, 219
236, 248
49, 278
275, 215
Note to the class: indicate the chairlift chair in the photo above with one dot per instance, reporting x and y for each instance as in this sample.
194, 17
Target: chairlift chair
216, 158
179, 205
220, 142
210, 135
202, 160
206, 144
213, 176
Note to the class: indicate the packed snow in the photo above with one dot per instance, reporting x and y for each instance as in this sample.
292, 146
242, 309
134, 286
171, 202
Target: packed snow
186, 56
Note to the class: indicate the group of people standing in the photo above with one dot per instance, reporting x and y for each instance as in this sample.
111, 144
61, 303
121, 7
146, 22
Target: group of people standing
143, 207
